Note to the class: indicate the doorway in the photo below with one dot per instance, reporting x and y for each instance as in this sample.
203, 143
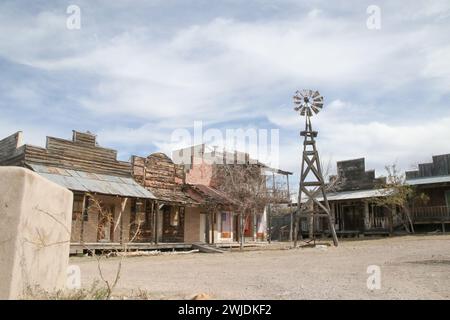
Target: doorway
447, 197
353, 217
236, 224
105, 231
173, 223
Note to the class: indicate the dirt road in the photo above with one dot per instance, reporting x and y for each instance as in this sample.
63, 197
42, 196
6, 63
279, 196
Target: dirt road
412, 267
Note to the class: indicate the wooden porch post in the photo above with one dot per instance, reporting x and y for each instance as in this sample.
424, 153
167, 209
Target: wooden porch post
269, 223
311, 221
155, 220
212, 226
241, 231
83, 213
367, 222
255, 227
119, 221
291, 226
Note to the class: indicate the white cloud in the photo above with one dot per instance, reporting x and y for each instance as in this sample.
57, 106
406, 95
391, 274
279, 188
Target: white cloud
217, 68
224, 69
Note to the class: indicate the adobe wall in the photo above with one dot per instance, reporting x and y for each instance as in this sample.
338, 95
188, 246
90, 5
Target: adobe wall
35, 224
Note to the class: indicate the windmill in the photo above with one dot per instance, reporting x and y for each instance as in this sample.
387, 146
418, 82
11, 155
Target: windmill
309, 103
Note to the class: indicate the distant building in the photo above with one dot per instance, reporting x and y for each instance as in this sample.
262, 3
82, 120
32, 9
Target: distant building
432, 179
352, 202
179, 214
201, 165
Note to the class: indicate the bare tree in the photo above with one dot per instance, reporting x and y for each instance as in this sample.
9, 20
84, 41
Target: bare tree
246, 184
396, 193
106, 217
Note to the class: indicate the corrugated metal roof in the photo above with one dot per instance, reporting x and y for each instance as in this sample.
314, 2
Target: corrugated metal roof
173, 195
93, 182
357, 194
428, 180
213, 194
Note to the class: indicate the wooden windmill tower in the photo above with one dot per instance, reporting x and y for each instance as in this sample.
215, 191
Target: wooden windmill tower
309, 103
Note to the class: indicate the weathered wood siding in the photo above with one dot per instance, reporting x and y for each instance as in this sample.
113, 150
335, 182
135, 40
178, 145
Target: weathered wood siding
439, 167
160, 175
11, 151
355, 176
157, 171
82, 153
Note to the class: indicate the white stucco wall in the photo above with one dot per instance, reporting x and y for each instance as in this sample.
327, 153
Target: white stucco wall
35, 224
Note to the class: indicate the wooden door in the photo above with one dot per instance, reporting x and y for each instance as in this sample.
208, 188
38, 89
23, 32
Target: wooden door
353, 217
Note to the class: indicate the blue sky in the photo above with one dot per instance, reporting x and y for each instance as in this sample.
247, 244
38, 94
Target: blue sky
138, 70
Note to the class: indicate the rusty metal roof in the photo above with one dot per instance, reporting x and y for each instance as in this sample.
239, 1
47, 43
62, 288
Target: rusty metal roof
213, 194
354, 195
173, 196
93, 182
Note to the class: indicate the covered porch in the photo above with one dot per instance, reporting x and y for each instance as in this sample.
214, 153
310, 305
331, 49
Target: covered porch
102, 204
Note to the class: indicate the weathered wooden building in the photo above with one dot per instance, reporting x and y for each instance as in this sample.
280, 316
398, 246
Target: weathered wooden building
146, 201
352, 202
432, 179
201, 166
190, 210
105, 194
175, 216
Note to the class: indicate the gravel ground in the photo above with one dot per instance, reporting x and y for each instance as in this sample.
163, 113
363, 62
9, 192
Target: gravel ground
412, 267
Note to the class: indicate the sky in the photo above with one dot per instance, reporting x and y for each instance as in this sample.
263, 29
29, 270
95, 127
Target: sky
136, 71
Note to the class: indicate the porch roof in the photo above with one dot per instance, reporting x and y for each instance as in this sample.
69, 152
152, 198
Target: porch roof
355, 194
428, 180
359, 194
210, 193
173, 195
93, 182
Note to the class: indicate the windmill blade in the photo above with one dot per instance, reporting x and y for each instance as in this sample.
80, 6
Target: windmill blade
316, 94
319, 99
318, 105
316, 110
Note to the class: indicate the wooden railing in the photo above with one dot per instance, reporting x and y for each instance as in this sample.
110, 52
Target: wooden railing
430, 214
280, 195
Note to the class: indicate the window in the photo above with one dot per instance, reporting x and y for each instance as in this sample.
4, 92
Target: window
174, 217
77, 209
86, 209
225, 224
